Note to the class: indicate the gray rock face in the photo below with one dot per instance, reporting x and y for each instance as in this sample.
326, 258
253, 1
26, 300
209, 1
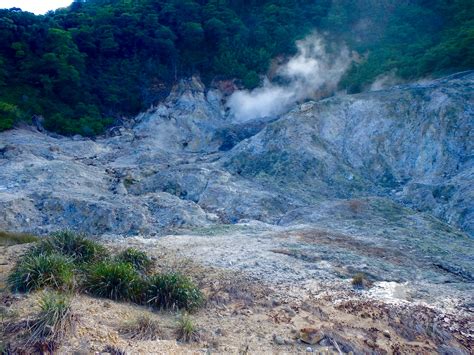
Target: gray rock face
412, 143
186, 164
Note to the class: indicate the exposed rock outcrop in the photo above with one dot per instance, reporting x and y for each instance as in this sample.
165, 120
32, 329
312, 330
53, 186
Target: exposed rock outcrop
379, 183
185, 163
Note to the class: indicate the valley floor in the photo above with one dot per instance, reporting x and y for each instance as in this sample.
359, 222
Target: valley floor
268, 287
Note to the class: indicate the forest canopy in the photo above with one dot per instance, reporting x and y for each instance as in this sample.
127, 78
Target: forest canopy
85, 66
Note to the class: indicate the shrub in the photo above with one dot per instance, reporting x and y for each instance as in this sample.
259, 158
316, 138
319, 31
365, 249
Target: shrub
76, 246
33, 272
358, 280
142, 328
53, 323
173, 291
115, 280
137, 258
186, 329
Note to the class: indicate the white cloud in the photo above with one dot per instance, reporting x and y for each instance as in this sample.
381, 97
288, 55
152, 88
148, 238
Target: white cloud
35, 6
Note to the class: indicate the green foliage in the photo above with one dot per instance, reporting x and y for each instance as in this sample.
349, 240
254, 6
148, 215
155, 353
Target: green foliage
138, 259
251, 80
114, 280
9, 114
186, 329
37, 271
97, 60
412, 40
75, 246
173, 291
53, 322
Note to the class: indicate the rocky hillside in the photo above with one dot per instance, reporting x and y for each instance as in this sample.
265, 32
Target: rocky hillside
378, 183
186, 163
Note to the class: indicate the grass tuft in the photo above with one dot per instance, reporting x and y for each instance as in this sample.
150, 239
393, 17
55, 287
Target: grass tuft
114, 280
34, 272
173, 291
53, 323
187, 331
142, 328
139, 260
76, 246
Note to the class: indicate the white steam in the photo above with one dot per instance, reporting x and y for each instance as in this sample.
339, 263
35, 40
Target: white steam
312, 72
385, 81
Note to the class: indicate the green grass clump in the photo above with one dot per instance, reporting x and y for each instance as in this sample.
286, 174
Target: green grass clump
114, 280
76, 246
173, 291
33, 272
186, 329
53, 322
139, 260
12, 238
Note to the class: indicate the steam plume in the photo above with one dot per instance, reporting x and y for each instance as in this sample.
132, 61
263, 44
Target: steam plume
312, 71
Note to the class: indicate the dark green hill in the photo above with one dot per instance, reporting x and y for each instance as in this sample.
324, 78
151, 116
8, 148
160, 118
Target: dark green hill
85, 66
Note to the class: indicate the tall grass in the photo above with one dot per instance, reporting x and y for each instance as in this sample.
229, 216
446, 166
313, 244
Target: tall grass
186, 330
33, 272
114, 280
173, 291
139, 260
76, 246
53, 323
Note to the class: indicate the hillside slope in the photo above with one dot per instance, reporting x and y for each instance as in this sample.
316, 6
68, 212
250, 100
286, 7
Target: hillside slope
378, 183
186, 163
86, 66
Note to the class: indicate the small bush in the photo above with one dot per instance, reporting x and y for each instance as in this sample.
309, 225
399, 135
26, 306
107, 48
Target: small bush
54, 321
115, 280
186, 329
358, 280
137, 258
173, 291
142, 328
33, 272
76, 246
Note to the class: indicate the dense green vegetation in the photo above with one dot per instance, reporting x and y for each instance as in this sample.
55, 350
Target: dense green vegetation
35, 272
68, 261
86, 66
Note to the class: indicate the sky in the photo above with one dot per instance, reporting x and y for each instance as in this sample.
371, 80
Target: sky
36, 6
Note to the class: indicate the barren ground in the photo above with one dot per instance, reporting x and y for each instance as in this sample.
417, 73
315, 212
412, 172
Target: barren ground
262, 288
